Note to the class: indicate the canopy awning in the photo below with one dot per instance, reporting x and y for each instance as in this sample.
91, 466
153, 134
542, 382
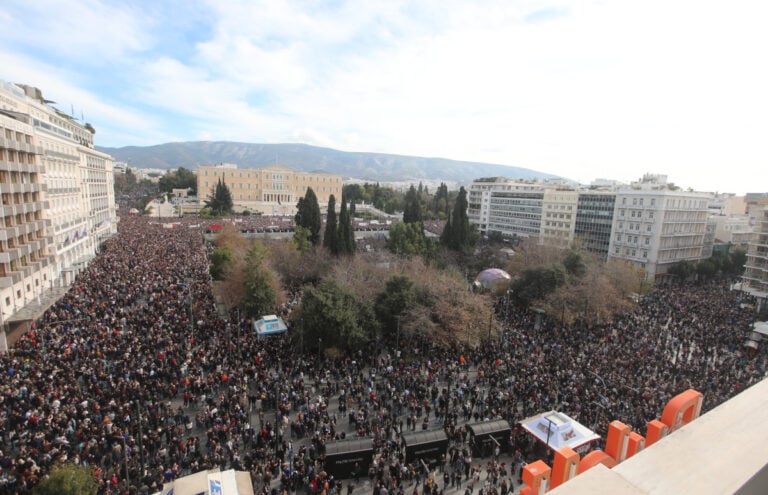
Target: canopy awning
556, 430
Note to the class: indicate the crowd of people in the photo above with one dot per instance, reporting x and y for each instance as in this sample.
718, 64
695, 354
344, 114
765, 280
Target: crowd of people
134, 375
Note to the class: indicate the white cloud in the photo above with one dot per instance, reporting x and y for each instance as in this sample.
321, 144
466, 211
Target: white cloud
584, 89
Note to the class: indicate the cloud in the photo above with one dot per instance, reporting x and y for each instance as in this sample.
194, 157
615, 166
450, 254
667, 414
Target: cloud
87, 31
578, 88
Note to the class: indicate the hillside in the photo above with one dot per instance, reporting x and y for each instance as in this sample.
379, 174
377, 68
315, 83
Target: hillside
356, 165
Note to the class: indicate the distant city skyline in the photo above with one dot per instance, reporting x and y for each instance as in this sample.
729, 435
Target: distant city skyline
582, 89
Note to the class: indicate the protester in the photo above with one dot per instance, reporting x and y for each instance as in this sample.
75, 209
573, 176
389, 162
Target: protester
134, 375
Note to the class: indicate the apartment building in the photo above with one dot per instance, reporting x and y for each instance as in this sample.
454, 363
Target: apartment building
756, 271
272, 190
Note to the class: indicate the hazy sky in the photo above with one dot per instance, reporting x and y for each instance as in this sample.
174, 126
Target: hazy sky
583, 89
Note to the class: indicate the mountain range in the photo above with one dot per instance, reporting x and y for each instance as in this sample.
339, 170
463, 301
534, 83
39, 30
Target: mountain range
350, 165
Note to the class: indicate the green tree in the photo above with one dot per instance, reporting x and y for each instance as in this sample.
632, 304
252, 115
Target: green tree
408, 239
221, 201
331, 237
300, 239
67, 479
334, 314
412, 209
308, 215
682, 270
707, 268
574, 264
534, 284
178, 179
260, 292
738, 260
346, 233
399, 295
458, 234
221, 261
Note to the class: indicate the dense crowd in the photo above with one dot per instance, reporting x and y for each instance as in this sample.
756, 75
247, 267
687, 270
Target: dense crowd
134, 375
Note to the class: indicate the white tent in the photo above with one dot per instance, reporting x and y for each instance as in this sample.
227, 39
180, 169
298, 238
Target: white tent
556, 430
761, 327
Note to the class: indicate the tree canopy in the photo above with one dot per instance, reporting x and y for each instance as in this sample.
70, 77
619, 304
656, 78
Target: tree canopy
178, 179
458, 234
260, 284
333, 316
67, 479
220, 202
331, 236
308, 215
346, 233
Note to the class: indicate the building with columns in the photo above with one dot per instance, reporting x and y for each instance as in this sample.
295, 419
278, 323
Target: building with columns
272, 190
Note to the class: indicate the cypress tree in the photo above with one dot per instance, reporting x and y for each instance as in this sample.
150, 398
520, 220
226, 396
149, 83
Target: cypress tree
331, 237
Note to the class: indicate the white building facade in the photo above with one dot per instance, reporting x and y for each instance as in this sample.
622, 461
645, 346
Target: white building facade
27, 264
655, 226
72, 182
523, 208
756, 270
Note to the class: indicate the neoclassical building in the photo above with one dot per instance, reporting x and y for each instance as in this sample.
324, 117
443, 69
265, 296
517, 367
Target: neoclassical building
272, 190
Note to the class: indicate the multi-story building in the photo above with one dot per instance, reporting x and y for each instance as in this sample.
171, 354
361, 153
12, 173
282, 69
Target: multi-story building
274, 190
755, 204
558, 219
594, 221
80, 185
756, 269
648, 222
50, 162
655, 226
26, 253
521, 208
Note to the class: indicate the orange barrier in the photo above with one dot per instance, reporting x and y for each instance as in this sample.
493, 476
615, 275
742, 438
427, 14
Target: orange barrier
616, 443
564, 466
655, 432
593, 459
621, 443
682, 409
536, 476
635, 444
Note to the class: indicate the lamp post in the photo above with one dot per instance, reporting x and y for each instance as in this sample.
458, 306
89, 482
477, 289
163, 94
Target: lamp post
490, 324
549, 432
397, 344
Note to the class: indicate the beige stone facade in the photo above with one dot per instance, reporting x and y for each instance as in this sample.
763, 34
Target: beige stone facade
272, 190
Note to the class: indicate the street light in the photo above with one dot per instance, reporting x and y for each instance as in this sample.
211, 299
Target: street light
397, 345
